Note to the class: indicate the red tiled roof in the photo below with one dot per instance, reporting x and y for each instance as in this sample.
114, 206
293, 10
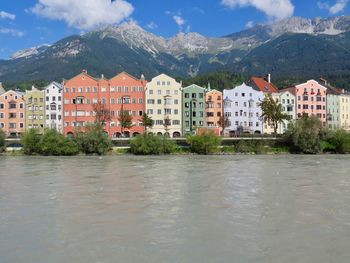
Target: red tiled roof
264, 85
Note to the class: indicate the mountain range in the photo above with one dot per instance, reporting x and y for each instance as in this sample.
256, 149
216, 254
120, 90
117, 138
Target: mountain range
291, 48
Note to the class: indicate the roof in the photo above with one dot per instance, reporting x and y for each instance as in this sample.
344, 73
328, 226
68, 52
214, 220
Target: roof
263, 85
290, 89
2, 90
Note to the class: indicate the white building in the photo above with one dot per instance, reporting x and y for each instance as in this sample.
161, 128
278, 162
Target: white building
242, 110
164, 105
53, 106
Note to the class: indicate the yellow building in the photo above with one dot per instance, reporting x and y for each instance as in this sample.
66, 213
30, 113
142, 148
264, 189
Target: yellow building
35, 109
287, 100
344, 111
164, 105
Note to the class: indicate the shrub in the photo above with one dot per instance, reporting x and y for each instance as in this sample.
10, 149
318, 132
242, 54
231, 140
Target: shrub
93, 140
303, 136
338, 141
49, 143
2, 141
152, 145
54, 143
205, 143
31, 142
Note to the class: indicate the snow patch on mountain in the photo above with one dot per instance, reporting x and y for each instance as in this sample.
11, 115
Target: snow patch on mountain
29, 52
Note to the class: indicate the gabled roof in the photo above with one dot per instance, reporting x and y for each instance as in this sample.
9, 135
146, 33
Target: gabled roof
19, 93
125, 73
2, 90
214, 91
84, 73
194, 86
290, 89
311, 80
263, 85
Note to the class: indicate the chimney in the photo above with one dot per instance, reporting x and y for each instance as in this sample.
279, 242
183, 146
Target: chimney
102, 76
84, 71
269, 78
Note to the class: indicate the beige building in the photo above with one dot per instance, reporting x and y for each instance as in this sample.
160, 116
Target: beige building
344, 111
35, 109
164, 105
288, 102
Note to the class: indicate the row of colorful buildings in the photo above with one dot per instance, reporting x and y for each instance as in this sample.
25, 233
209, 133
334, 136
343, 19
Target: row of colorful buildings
176, 110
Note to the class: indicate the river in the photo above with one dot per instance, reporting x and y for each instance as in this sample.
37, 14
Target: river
274, 208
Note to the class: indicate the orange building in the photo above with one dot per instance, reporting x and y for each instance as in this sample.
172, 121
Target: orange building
213, 108
127, 94
12, 113
83, 92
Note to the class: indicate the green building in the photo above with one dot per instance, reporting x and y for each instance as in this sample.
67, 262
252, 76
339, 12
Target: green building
35, 109
333, 115
193, 109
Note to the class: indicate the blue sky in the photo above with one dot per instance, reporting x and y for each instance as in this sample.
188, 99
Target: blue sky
27, 23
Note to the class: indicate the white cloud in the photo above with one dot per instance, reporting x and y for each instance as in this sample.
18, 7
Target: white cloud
249, 24
179, 20
337, 7
274, 9
5, 15
84, 14
177, 17
12, 32
152, 25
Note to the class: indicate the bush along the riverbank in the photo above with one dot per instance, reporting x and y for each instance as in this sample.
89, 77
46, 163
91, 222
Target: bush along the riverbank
49, 143
206, 143
148, 144
308, 136
2, 141
93, 140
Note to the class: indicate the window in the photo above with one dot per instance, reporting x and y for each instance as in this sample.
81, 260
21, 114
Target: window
194, 95
47, 98
12, 106
187, 95
140, 89
159, 101
159, 111
176, 122
150, 92
159, 92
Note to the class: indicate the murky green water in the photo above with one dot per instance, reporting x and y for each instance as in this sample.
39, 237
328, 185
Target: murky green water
175, 209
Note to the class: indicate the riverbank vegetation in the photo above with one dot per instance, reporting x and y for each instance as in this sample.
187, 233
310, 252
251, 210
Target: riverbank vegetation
2, 141
149, 144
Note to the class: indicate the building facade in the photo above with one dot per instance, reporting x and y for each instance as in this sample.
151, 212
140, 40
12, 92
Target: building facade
163, 105
241, 107
288, 105
35, 109
311, 100
127, 93
344, 111
54, 106
213, 99
79, 95
193, 109
12, 113
333, 114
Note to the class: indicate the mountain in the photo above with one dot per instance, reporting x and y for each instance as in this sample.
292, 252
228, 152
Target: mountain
294, 46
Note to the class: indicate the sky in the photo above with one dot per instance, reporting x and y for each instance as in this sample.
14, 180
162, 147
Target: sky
28, 23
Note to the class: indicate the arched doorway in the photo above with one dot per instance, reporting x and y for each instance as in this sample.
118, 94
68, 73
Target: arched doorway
117, 135
135, 134
167, 134
70, 134
176, 135
127, 134
159, 134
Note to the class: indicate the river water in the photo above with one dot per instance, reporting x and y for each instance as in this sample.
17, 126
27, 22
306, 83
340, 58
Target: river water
280, 208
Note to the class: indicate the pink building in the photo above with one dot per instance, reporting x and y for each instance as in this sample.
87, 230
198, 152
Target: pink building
311, 100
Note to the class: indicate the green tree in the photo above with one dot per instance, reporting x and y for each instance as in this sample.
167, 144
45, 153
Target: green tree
339, 140
125, 120
54, 143
102, 113
2, 141
147, 122
304, 135
152, 145
93, 140
272, 112
205, 143
31, 142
